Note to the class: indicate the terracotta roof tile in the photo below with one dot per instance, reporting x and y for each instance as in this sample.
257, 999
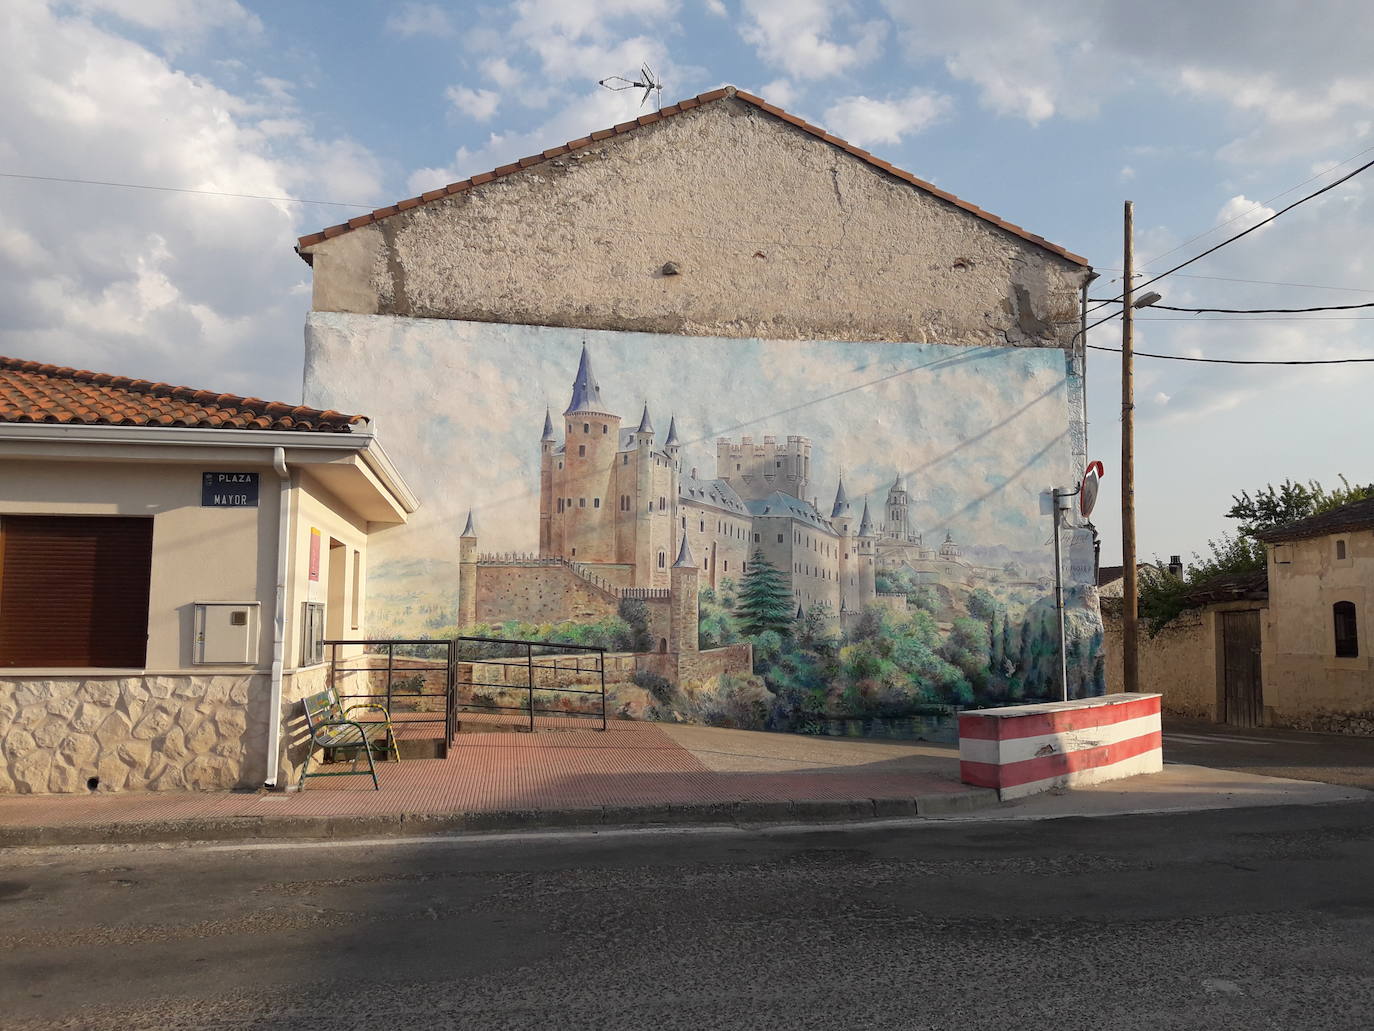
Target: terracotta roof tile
1353, 516
669, 112
33, 392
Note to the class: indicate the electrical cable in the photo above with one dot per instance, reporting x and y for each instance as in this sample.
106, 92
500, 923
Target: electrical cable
1245, 232
181, 189
1259, 311
1234, 361
1259, 282
1256, 207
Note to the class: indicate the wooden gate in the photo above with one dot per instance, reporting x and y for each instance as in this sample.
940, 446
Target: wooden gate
1240, 634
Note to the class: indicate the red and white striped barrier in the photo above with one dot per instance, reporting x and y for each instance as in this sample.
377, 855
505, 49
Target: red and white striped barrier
1023, 749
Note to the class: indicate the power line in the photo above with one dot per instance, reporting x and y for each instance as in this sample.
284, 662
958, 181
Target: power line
1262, 311
1246, 232
180, 189
1256, 207
1279, 318
1267, 282
1235, 361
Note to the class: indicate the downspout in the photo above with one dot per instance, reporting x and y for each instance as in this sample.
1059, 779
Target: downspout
279, 615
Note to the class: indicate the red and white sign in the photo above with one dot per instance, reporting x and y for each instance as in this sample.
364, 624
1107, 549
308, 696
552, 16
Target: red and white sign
314, 569
1087, 494
1024, 749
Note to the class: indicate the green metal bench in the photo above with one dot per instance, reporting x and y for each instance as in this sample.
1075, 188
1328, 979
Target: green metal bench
333, 729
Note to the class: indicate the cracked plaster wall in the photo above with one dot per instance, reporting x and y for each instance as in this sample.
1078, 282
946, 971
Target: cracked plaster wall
777, 235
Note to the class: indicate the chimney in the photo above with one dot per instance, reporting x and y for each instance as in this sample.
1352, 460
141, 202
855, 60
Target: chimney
1175, 565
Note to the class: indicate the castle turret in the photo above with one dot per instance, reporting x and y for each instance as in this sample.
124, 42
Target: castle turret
682, 632
866, 573
467, 574
644, 435
672, 446
547, 444
841, 506
581, 505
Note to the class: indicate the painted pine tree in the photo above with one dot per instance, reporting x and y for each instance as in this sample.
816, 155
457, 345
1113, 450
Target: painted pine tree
765, 600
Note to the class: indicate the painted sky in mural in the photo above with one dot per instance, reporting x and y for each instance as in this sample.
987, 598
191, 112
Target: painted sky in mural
460, 407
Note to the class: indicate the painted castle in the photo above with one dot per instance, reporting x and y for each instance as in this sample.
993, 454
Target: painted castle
619, 517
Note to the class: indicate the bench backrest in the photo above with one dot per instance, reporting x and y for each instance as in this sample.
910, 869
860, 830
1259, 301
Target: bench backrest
322, 707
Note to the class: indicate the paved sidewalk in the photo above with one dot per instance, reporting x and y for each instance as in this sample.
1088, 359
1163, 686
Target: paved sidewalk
633, 773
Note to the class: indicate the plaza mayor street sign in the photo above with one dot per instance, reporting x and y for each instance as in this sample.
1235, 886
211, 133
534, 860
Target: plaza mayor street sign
228, 490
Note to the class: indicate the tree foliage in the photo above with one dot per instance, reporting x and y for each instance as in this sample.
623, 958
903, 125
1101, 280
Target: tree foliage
1163, 595
765, 599
1272, 506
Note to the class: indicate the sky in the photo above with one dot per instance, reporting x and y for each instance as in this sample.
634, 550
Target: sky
1206, 115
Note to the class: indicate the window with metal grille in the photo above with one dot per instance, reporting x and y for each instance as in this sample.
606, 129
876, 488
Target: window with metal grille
74, 591
1347, 630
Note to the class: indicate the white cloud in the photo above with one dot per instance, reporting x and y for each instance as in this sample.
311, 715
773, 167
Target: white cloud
1241, 213
862, 120
1126, 174
179, 17
718, 8
177, 287
798, 36
499, 71
478, 104
782, 92
420, 20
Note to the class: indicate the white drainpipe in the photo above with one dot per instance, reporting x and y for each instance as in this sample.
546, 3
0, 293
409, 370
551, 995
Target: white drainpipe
279, 616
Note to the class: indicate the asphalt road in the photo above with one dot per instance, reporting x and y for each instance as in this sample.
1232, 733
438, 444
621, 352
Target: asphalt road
1244, 919
1332, 758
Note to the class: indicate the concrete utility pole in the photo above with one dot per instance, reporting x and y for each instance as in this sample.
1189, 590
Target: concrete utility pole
1130, 600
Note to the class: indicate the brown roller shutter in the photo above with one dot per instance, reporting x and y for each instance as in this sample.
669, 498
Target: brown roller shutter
74, 591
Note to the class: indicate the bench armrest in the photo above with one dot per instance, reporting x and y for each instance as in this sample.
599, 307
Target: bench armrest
379, 708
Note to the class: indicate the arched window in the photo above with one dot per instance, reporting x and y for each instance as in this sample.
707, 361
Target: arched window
662, 645
1340, 551
1347, 631
586, 427
604, 428
581, 450
661, 559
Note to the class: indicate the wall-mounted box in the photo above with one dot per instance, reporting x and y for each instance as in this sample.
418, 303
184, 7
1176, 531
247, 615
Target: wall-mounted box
226, 633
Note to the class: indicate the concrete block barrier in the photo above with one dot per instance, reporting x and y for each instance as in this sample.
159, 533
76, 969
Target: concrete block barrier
1025, 749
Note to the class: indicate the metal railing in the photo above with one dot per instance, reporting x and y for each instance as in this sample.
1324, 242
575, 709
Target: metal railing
510, 667
403, 666
474, 674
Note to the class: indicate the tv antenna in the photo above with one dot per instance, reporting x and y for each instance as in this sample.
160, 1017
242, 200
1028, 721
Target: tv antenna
647, 81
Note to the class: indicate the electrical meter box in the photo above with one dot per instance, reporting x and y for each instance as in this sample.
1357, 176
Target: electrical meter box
226, 633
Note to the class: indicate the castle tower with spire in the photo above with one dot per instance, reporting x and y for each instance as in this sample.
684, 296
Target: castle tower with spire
611, 496
467, 574
865, 545
682, 624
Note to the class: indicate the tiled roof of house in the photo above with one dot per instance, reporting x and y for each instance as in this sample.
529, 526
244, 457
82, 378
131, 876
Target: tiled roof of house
1252, 586
36, 393
658, 116
1357, 515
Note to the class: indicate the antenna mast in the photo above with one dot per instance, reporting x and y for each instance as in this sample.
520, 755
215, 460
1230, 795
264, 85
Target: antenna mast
647, 81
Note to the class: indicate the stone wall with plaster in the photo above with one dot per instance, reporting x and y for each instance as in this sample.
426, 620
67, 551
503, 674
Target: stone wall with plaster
1178, 663
845, 252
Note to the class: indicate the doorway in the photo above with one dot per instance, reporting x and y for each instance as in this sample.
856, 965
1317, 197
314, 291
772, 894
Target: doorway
1242, 694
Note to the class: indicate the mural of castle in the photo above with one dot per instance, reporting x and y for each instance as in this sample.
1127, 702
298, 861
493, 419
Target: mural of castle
619, 517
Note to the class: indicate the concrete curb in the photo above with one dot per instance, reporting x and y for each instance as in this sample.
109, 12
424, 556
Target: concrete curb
270, 828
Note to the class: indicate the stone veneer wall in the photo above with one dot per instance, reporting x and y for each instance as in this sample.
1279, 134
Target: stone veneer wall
134, 733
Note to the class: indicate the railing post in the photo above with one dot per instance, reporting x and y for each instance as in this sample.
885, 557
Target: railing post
390, 653
603, 688
529, 673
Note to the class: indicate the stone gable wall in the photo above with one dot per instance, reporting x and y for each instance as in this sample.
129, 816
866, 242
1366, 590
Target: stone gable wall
844, 252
